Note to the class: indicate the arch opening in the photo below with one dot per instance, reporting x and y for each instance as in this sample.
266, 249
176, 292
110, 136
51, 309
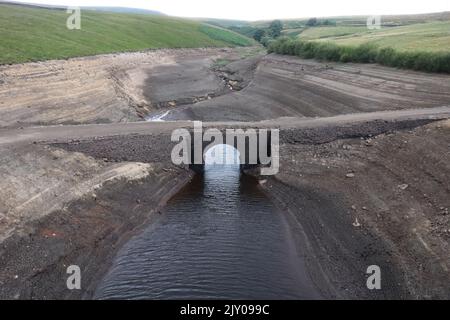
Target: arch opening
222, 154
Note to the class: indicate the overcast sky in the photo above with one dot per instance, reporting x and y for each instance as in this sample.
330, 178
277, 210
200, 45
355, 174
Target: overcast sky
268, 9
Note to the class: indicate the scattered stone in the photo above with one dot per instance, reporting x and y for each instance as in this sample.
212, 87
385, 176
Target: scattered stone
356, 224
350, 175
346, 147
138, 201
403, 186
353, 207
364, 208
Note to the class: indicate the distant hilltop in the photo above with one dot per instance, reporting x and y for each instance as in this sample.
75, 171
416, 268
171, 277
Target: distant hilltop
104, 9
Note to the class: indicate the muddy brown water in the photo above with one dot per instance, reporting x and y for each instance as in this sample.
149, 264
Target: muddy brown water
219, 238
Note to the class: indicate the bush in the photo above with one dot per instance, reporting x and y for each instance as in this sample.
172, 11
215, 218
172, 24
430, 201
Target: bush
328, 51
265, 41
365, 53
386, 56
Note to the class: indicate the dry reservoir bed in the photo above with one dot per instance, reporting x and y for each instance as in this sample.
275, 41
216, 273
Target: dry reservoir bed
358, 200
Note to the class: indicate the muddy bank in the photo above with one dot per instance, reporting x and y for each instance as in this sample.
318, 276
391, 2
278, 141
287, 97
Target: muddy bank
241, 84
375, 201
36, 180
282, 86
106, 88
60, 208
87, 232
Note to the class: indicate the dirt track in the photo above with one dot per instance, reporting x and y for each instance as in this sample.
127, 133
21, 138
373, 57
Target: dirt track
365, 188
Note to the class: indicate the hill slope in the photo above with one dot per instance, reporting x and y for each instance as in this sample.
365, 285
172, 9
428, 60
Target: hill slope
31, 34
431, 36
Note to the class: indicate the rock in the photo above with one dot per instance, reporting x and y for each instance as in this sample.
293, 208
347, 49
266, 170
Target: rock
346, 147
356, 223
403, 186
350, 175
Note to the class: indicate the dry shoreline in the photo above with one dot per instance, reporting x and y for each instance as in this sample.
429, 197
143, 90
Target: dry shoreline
87, 232
373, 201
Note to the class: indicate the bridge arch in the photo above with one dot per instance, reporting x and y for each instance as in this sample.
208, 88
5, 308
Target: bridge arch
221, 154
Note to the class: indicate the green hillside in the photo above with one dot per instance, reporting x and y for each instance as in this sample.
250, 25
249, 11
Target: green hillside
431, 36
32, 34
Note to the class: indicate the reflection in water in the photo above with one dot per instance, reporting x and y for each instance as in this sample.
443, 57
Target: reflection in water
219, 238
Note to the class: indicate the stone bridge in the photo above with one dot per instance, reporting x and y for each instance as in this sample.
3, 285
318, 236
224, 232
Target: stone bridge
153, 141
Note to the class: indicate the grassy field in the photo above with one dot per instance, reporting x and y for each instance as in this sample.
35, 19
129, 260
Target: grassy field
430, 36
423, 46
34, 34
329, 32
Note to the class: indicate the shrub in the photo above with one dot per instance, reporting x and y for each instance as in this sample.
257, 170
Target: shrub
386, 56
365, 53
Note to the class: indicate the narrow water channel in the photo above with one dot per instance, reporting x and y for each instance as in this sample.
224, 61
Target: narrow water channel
219, 238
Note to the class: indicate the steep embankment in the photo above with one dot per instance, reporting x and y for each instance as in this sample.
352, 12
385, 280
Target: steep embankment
102, 89
381, 200
31, 34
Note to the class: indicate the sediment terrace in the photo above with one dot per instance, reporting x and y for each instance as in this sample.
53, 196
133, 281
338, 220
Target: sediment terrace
365, 188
